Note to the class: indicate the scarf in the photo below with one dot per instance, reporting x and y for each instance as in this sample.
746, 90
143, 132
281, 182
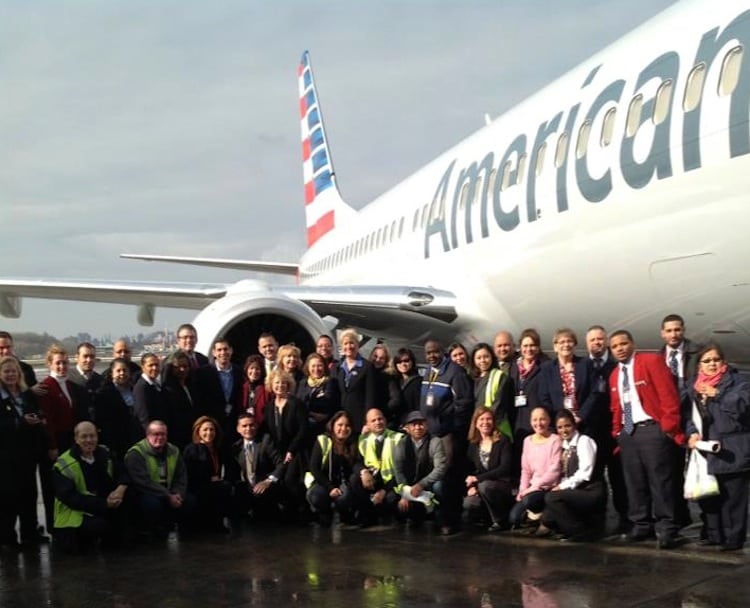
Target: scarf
705, 379
316, 382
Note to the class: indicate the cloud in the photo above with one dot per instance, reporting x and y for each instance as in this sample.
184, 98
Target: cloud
173, 127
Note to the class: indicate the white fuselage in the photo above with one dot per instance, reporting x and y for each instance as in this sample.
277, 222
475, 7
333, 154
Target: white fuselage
648, 218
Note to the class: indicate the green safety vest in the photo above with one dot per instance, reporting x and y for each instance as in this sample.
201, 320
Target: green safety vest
490, 392
152, 464
325, 446
68, 466
385, 464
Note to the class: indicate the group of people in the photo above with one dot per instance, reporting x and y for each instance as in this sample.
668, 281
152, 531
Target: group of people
498, 437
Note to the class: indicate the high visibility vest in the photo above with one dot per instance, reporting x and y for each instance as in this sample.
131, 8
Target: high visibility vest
490, 392
152, 463
385, 464
325, 447
68, 466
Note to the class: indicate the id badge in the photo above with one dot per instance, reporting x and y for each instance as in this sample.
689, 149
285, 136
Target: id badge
601, 385
429, 399
228, 409
568, 403
521, 400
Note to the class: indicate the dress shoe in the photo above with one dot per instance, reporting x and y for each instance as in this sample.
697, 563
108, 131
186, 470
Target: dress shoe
707, 542
446, 531
542, 531
731, 547
35, 539
666, 543
635, 537
495, 527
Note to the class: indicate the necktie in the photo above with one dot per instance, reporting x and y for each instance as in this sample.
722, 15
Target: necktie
673, 364
627, 410
378, 448
193, 361
597, 363
249, 463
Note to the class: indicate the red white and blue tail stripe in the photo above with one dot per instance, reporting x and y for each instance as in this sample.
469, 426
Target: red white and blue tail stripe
323, 203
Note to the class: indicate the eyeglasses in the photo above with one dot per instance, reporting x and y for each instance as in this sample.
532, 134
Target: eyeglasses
403, 361
711, 360
186, 337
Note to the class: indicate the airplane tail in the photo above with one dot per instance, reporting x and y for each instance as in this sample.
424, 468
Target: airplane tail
324, 206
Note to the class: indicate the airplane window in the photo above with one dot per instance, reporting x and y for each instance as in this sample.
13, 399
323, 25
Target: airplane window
506, 176
521, 168
423, 219
582, 145
730, 71
401, 227
416, 220
380, 237
540, 159
561, 150
464, 192
393, 230
634, 115
663, 102
694, 87
608, 127
491, 181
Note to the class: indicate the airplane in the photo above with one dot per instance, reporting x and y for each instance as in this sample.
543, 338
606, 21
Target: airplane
613, 196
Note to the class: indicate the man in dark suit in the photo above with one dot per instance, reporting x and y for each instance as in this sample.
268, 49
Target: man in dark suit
255, 469
646, 421
187, 338
219, 389
84, 375
600, 427
679, 353
681, 356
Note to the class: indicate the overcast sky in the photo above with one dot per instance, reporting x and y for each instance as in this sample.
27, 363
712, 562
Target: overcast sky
173, 127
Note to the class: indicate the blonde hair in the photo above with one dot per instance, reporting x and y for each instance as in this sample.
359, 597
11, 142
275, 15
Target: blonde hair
280, 374
349, 334
55, 349
10, 360
288, 349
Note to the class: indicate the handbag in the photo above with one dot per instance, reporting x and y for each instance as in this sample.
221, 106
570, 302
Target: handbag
699, 483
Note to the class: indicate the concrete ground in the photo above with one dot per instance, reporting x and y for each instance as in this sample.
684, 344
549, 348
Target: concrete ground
398, 566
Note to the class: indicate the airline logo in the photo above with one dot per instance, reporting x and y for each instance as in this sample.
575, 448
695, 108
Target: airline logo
650, 115
317, 168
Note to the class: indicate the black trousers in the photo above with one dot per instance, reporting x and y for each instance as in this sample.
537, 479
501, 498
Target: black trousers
494, 497
726, 514
648, 463
569, 511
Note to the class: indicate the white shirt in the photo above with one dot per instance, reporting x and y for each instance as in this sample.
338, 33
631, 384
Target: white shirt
62, 381
586, 452
636, 408
680, 358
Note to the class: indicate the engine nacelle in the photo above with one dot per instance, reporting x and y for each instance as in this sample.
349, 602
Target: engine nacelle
243, 314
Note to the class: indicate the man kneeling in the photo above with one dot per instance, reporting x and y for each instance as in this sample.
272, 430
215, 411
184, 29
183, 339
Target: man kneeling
87, 494
158, 480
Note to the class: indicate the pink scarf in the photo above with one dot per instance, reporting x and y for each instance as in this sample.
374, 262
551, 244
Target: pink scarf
706, 380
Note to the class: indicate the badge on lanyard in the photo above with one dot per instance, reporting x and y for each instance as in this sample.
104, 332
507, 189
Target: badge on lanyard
429, 399
521, 400
568, 403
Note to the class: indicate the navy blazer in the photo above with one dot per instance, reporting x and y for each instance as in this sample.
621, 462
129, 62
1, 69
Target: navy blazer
210, 394
551, 391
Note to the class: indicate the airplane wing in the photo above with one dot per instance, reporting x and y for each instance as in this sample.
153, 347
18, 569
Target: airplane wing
372, 308
253, 266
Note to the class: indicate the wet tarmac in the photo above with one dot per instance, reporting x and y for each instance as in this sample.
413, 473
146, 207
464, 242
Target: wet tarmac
396, 566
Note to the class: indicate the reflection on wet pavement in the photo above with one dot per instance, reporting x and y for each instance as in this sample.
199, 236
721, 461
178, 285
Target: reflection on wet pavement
275, 566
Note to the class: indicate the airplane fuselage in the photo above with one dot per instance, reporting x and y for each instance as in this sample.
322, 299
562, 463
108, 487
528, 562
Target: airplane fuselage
613, 196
